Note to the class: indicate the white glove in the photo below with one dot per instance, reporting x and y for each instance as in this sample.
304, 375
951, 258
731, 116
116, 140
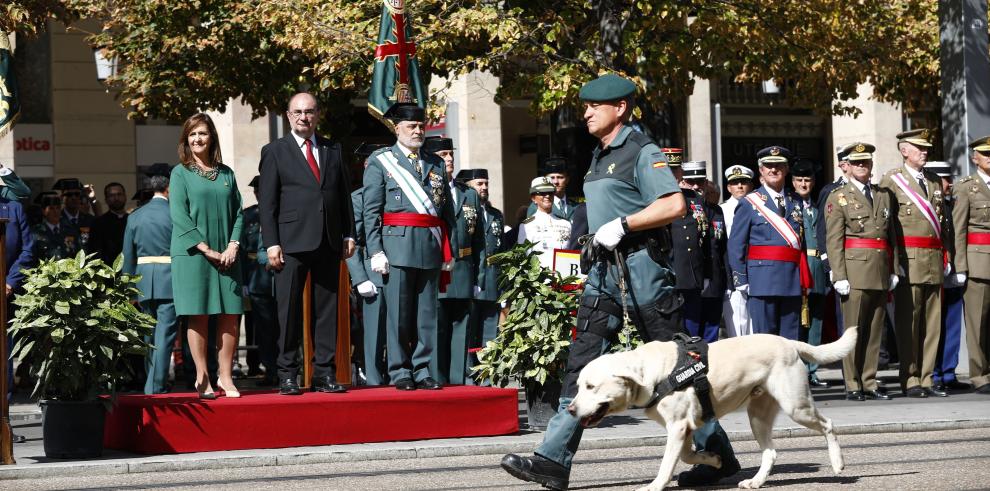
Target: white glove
379, 263
744, 289
948, 270
448, 266
609, 235
894, 280
960, 279
842, 287
830, 276
704, 286
477, 291
367, 289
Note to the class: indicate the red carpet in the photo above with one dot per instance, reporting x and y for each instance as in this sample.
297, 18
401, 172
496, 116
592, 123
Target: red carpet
179, 423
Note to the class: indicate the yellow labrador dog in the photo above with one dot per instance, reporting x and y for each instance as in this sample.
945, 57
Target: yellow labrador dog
763, 371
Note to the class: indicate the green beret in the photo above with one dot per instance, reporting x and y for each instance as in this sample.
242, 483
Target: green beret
608, 87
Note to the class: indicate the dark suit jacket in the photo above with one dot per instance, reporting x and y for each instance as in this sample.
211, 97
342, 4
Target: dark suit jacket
19, 241
296, 210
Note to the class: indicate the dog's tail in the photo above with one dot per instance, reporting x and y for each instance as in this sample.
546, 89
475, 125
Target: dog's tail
831, 352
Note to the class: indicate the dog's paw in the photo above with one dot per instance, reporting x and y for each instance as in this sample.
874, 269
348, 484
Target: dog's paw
749, 484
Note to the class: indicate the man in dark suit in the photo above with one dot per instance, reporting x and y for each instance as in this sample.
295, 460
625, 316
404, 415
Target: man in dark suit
307, 225
106, 238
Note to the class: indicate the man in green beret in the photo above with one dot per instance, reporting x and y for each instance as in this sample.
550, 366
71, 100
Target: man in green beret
632, 197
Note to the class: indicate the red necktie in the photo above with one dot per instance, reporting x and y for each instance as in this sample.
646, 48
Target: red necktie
312, 160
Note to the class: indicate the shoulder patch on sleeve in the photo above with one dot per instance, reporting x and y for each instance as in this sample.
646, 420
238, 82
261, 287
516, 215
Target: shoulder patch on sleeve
658, 160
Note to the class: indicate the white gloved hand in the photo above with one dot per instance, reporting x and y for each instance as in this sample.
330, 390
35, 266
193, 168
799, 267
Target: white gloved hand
448, 266
367, 289
894, 280
948, 270
744, 289
842, 287
705, 285
831, 276
960, 279
379, 263
609, 235
477, 291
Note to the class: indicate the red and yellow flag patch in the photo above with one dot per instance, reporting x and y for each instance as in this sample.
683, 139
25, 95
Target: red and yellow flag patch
658, 164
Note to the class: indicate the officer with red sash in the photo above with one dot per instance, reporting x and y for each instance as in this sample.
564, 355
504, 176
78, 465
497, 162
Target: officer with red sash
767, 251
407, 218
917, 210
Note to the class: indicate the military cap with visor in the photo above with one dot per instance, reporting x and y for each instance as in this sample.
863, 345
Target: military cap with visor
694, 169
939, 168
674, 156
920, 137
738, 173
541, 185
774, 155
980, 144
859, 151
608, 87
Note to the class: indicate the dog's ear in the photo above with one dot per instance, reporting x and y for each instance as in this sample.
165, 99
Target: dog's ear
631, 376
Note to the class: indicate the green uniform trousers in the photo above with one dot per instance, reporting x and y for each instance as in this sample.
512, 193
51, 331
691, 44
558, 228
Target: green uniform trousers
977, 302
411, 303
163, 339
866, 310
918, 322
450, 362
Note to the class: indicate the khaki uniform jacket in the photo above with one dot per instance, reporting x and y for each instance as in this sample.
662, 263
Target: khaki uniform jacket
921, 265
971, 214
848, 215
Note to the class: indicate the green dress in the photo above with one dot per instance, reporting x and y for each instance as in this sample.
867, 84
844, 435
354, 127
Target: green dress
204, 211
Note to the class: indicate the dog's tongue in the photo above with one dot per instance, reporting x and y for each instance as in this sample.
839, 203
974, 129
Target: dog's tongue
586, 421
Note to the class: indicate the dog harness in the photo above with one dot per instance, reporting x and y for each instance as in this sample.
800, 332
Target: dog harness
691, 369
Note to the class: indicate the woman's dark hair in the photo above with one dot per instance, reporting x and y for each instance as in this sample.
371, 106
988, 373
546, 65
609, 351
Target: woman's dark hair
186, 154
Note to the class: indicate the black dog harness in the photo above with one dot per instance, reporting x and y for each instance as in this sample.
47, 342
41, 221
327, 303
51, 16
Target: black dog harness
691, 369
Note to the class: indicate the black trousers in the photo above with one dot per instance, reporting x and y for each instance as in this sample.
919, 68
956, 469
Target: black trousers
597, 330
324, 264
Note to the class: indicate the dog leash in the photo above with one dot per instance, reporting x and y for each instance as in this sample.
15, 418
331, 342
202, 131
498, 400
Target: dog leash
620, 263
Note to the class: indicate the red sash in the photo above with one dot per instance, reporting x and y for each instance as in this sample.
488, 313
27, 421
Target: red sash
786, 254
925, 243
426, 221
978, 238
853, 243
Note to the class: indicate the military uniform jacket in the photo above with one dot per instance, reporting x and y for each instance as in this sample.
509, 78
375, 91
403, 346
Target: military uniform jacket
691, 251
563, 209
49, 244
971, 214
412, 247
358, 265
821, 232
813, 222
848, 215
492, 222
718, 239
921, 265
766, 278
257, 279
468, 234
148, 234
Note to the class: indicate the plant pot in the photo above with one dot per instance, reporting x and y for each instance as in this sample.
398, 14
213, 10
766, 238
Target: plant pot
73, 429
541, 403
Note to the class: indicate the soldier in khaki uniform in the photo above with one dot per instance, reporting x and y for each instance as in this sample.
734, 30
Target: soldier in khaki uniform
918, 227
859, 232
971, 217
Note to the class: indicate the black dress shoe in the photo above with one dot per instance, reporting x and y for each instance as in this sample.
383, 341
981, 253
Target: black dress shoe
706, 475
876, 395
537, 469
938, 390
405, 384
855, 395
957, 385
289, 387
428, 384
815, 382
327, 384
983, 389
916, 392
15, 438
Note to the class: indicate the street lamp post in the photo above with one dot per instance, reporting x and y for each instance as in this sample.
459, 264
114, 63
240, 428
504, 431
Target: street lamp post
105, 67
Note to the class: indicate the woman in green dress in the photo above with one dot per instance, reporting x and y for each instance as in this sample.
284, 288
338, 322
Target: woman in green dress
206, 223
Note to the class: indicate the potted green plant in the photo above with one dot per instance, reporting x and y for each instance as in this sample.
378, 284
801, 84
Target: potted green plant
532, 342
75, 323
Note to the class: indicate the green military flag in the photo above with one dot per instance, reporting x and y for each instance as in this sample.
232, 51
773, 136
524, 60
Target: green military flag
396, 73
9, 108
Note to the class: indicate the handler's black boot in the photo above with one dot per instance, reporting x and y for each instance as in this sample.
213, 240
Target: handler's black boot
706, 475
537, 469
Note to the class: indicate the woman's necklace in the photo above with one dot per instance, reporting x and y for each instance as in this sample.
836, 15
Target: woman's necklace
208, 174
